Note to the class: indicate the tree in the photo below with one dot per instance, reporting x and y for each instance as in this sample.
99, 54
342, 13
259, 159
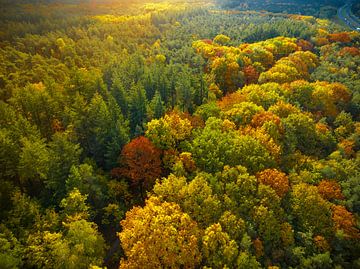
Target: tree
168, 131
221, 39
137, 109
86, 244
48, 250
275, 179
311, 211
263, 95
300, 133
218, 249
213, 148
37, 104
119, 93
33, 164
101, 129
10, 251
64, 153
238, 189
157, 106
268, 226
159, 235
84, 178
196, 198
330, 190
242, 113
246, 260
74, 205
345, 221
141, 163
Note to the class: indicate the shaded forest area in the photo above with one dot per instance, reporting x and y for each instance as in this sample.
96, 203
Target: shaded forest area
355, 8
154, 135
320, 8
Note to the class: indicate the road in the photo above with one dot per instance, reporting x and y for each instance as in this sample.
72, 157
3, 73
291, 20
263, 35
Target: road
344, 13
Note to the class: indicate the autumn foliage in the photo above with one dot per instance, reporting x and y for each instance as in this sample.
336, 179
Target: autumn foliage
142, 163
159, 235
275, 179
345, 221
330, 190
340, 37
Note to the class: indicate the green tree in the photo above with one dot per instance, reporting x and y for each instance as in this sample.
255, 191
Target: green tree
218, 249
11, 251
138, 103
33, 165
64, 153
310, 210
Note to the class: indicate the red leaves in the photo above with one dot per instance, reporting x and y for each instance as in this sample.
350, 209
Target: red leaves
141, 160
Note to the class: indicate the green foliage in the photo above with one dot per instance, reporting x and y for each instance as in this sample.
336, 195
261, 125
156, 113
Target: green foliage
219, 250
74, 205
11, 251
250, 118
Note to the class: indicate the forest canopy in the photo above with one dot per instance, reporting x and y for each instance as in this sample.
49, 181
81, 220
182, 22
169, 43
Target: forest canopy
178, 134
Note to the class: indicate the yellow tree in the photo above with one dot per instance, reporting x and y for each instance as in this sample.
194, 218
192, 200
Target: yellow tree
169, 130
159, 235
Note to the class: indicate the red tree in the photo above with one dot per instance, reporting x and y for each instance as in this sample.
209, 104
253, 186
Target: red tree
141, 162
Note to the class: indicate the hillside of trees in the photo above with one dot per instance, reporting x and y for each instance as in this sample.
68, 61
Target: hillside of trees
177, 135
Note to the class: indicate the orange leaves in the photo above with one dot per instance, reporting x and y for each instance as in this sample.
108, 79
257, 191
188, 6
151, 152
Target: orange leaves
230, 100
347, 146
275, 179
340, 93
342, 37
321, 41
345, 221
262, 117
321, 243
353, 51
305, 45
330, 190
323, 38
251, 74
141, 161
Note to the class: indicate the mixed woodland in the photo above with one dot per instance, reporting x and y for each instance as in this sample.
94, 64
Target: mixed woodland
176, 135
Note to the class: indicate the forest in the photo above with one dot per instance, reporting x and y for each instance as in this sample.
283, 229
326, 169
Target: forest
178, 134
319, 8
